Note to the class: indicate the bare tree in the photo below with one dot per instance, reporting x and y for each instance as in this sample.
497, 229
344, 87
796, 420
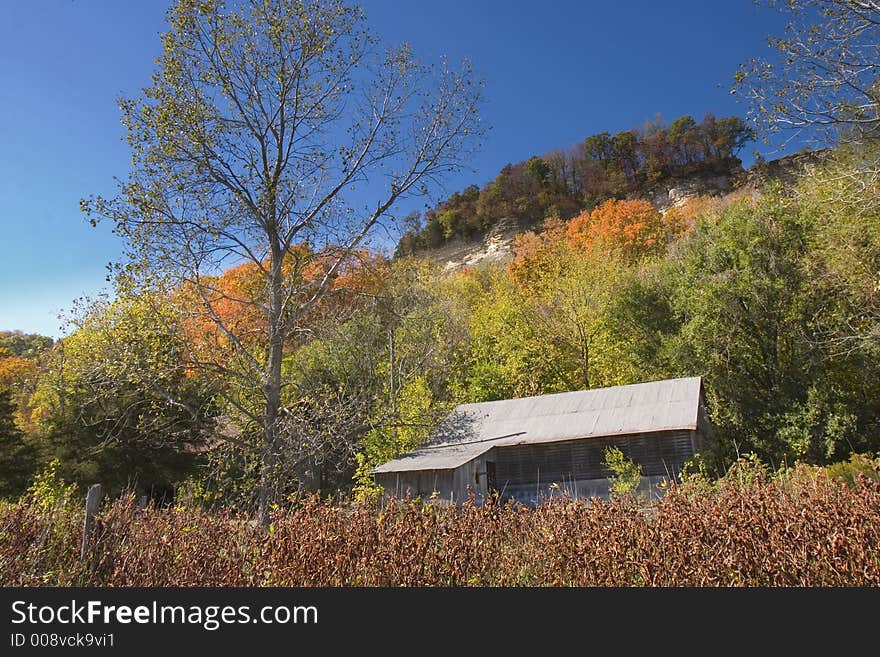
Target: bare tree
823, 83
278, 134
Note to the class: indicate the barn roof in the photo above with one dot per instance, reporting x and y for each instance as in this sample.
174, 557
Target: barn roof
472, 429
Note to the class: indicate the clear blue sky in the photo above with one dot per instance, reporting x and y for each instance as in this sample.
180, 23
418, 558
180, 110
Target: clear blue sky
556, 71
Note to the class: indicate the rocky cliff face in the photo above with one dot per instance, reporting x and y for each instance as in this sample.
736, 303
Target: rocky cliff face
785, 169
497, 244
675, 192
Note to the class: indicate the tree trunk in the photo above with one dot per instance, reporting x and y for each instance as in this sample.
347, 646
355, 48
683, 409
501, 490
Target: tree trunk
585, 360
272, 388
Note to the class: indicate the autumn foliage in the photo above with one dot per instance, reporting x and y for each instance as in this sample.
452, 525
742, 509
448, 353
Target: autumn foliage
16, 371
232, 297
633, 227
685, 215
622, 229
600, 167
236, 299
538, 255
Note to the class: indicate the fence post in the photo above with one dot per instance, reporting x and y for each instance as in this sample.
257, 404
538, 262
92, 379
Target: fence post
93, 500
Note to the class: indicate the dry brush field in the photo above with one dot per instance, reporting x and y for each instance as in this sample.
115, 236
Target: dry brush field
804, 529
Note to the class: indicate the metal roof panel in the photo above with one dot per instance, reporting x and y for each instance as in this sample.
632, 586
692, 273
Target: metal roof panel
473, 429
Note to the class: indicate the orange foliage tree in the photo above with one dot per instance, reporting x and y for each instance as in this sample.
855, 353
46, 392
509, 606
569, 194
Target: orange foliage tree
234, 297
630, 227
708, 208
537, 255
19, 376
17, 372
238, 296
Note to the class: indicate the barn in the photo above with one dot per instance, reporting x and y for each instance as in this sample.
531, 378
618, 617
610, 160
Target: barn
531, 447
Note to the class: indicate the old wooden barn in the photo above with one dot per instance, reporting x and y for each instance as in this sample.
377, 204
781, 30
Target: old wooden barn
532, 447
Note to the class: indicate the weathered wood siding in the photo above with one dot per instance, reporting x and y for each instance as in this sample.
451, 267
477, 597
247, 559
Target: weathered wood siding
445, 485
529, 471
416, 483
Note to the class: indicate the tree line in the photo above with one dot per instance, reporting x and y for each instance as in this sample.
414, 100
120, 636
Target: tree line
563, 182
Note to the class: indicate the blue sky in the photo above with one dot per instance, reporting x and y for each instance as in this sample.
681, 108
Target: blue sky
555, 72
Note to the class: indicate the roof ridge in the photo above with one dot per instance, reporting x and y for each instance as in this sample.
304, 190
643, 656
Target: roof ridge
574, 392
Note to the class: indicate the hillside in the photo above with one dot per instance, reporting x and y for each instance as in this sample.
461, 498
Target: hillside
496, 244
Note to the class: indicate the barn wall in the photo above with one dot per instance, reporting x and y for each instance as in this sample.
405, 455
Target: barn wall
469, 477
474, 475
415, 483
528, 472
449, 485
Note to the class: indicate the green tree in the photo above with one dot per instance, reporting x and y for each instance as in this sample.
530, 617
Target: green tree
658, 153
574, 325
504, 357
118, 403
408, 430
627, 159
841, 199
538, 169
260, 122
17, 457
683, 135
738, 293
419, 334
747, 308
626, 475
24, 345
726, 136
